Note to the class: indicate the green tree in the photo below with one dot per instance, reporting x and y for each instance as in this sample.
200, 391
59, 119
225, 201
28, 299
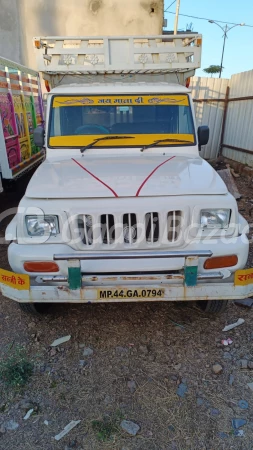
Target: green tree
211, 70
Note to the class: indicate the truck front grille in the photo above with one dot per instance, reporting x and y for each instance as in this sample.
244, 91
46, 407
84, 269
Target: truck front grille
130, 229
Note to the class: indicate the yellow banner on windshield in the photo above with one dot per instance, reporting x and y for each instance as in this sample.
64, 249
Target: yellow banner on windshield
121, 100
136, 140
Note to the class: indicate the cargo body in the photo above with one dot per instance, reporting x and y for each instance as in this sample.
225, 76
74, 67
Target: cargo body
21, 111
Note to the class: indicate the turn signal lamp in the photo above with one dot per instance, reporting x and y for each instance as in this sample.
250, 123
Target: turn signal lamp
37, 43
47, 85
219, 262
187, 82
41, 266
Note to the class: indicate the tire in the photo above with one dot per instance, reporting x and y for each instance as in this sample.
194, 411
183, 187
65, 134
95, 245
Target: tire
9, 186
213, 306
35, 309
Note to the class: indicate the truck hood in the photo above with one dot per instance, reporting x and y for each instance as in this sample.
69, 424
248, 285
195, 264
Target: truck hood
118, 176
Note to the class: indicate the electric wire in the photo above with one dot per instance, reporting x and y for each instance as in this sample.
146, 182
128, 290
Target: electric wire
204, 18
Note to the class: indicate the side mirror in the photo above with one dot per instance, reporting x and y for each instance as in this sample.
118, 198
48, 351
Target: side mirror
203, 135
39, 137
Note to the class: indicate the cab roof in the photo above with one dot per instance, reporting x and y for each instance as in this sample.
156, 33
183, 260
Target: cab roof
121, 88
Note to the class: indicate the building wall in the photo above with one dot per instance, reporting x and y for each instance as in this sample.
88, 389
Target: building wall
10, 30
20, 20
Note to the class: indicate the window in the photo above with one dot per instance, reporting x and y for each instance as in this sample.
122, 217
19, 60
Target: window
69, 118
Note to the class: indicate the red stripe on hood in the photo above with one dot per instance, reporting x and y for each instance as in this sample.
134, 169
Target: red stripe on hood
150, 175
96, 178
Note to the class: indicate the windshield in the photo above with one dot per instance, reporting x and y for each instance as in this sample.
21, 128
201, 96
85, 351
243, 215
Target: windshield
77, 121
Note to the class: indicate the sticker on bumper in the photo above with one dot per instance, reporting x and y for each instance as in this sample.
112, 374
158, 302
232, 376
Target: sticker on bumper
106, 294
15, 280
243, 277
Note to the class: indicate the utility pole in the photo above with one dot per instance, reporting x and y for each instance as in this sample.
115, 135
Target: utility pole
225, 30
176, 17
223, 48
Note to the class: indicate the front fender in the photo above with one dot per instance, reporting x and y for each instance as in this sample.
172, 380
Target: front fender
11, 230
243, 225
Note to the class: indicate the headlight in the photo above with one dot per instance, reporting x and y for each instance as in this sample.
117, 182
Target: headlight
215, 218
42, 225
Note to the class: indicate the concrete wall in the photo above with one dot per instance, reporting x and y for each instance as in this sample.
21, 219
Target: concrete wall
10, 30
20, 20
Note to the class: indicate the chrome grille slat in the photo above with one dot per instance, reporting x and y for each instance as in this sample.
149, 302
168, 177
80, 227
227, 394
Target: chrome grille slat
85, 229
107, 230
174, 224
130, 226
152, 227
107, 227
173, 227
97, 235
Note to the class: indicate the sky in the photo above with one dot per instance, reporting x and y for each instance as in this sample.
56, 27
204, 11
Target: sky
238, 56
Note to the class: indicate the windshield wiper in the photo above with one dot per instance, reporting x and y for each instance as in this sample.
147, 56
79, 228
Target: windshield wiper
82, 149
155, 143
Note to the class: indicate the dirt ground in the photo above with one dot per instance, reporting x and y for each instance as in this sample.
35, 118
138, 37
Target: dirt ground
140, 355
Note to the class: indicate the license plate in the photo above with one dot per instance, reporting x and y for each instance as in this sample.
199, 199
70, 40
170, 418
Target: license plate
107, 294
15, 280
243, 277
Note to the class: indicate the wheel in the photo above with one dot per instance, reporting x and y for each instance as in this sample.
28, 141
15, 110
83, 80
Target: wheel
35, 309
213, 306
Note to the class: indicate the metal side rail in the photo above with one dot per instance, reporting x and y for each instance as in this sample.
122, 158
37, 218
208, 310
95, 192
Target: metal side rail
132, 255
183, 285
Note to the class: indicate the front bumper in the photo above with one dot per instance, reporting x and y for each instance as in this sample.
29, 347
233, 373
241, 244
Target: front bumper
187, 284
18, 254
61, 293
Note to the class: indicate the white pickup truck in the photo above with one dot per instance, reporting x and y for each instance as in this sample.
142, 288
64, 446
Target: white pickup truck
124, 208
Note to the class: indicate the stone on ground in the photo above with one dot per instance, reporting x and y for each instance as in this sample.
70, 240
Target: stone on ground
88, 351
217, 368
130, 427
131, 386
244, 363
237, 423
11, 425
243, 404
231, 379
182, 389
